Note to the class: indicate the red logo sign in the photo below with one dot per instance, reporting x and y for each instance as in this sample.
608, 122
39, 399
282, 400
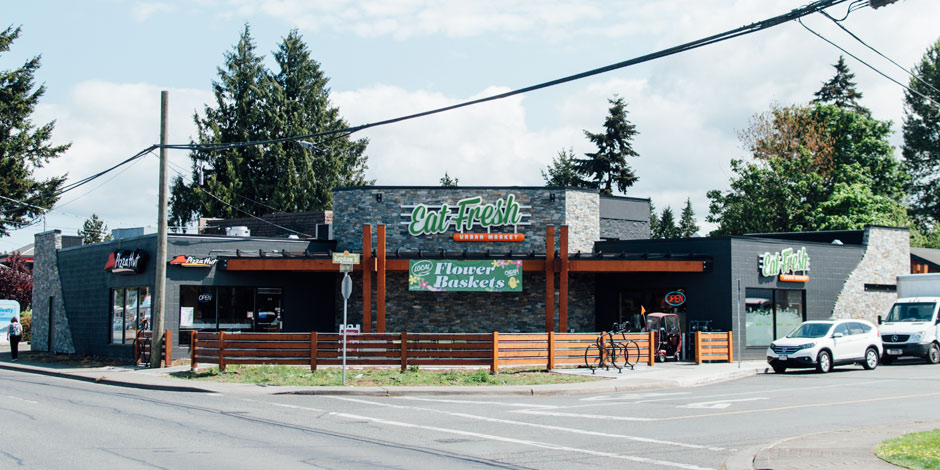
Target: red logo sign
488, 237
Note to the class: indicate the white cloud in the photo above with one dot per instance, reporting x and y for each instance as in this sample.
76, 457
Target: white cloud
142, 11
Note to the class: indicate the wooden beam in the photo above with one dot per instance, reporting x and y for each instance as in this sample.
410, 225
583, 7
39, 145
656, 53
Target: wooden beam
563, 287
367, 265
622, 266
549, 278
380, 280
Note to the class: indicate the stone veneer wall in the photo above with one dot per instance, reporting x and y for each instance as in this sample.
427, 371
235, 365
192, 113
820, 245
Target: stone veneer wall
625, 229
582, 214
46, 285
887, 256
355, 207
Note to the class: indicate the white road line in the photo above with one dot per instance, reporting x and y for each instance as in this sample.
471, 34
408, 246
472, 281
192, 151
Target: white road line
585, 416
476, 402
718, 404
543, 445
23, 399
539, 426
630, 396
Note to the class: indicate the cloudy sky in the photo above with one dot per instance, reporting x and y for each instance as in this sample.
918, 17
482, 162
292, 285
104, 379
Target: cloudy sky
104, 63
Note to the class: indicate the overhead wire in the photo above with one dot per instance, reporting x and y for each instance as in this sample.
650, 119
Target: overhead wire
876, 51
879, 72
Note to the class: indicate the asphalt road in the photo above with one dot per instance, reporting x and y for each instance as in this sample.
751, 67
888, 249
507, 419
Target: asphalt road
48, 422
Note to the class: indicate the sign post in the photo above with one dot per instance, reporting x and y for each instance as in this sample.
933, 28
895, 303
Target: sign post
345, 260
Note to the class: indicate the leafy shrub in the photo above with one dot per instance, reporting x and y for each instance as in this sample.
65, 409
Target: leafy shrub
26, 321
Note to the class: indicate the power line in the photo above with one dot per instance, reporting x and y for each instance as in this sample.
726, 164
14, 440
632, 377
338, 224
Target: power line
820, 36
876, 51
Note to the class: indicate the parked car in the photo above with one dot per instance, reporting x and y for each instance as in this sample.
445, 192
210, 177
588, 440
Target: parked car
824, 344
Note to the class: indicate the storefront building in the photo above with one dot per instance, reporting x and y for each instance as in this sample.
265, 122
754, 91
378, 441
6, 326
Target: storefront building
466, 259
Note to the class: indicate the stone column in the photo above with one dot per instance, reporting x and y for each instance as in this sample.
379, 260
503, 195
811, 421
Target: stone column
47, 294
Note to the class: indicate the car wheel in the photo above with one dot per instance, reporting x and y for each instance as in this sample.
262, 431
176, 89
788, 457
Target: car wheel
824, 362
871, 359
661, 357
779, 369
933, 355
887, 360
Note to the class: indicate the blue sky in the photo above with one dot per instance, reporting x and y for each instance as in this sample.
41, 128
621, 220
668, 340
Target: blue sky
105, 62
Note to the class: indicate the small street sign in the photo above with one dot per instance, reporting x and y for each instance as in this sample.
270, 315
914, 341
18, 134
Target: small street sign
345, 258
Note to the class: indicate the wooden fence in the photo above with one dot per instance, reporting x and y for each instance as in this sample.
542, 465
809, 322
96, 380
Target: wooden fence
142, 344
404, 349
714, 347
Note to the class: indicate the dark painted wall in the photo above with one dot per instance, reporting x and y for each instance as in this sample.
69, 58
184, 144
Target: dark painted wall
307, 298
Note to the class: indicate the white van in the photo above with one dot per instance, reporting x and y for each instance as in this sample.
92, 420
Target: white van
912, 326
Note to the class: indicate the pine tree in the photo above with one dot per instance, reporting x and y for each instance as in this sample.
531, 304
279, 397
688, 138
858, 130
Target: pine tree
921, 130
840, 90
562, 171
654, 222
94, 230
687, 225
23, 147
608, 165
667, 225
254, 104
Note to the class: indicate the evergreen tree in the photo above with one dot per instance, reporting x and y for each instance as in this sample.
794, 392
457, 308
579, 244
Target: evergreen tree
253, 104
687, 225
840, 90
654, 222
608, 165
448, 182
94, 230
23, 147
562, 171
921, 130
667, 225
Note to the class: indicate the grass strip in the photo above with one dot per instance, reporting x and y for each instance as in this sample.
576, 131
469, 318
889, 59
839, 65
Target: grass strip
414, 376
917, 451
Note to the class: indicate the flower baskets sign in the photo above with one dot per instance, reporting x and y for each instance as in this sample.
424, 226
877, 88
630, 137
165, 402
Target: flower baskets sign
465, 275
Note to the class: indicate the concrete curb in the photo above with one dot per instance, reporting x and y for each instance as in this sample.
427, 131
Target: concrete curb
154, 380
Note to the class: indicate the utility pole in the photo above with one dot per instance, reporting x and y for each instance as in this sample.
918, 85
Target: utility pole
159, 288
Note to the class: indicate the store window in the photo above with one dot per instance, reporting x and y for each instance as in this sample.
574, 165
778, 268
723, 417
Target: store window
130, 311
636, 303
224, 308
771, 314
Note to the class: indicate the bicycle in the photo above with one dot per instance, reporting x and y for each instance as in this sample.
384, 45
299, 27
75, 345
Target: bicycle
608, 351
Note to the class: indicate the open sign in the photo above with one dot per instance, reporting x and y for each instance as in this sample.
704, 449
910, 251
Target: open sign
207, 297
675, 298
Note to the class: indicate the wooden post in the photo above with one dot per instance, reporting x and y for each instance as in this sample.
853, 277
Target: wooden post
168, 347
730, 346
222, 350
380, 281
551, 350
368, 264
313, 351
698, 347
563, 288
193, 344
494, 368
652, 349
404, 351
549, 278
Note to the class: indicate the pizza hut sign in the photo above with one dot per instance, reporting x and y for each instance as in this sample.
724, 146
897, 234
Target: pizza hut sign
126, 262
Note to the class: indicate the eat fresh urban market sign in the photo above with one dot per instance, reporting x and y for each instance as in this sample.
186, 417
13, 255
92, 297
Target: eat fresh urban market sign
465, 275
785, 263
470, 212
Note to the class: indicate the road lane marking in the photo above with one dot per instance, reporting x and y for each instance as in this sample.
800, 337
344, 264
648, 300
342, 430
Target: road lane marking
525, 442
630, 396
793, 407
536, 425
23, 399
718, 404
579, 415
476, 402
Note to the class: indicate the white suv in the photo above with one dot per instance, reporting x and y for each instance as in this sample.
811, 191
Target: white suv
826, 343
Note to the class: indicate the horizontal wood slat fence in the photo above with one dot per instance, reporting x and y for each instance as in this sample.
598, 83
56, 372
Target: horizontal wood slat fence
714, 347
404, 349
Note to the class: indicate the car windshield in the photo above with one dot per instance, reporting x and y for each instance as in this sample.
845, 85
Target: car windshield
911, 312
811, 330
